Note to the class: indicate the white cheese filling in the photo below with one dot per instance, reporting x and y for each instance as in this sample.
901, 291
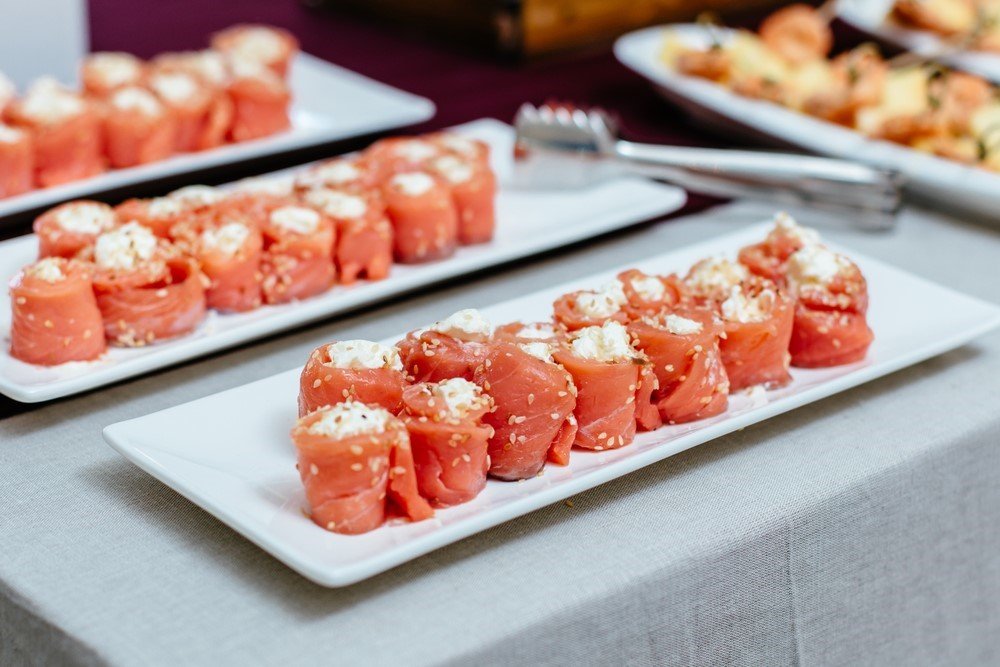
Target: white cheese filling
455, 170
115, 69
260, 44
538, 349
458, 144
465, 325
716, 274
608, 342
537, 331
196, 195
338, 204
649, 288
275, 186
296, 219
124, 248
814, 265
785, 226
739, 307
460, 397
164, 207
345, 420
136, 99
226, 239
336, 172
48, 269
414, 150
362, 354
85, 218
681, 326
49, 102
174, 87
413, 184
8, 134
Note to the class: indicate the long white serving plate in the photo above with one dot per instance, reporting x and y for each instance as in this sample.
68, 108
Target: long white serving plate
231, 452
528, 222
872, 17
329, 103
931, 177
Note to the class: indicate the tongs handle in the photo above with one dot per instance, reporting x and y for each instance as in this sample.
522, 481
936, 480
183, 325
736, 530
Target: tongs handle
872, 196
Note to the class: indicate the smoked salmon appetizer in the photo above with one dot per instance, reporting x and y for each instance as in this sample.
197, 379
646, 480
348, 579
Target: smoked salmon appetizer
590, 308
298, 254
533, 418
146, 292
17, 160
229, 250
260, 102
423, 215
355, 463
265, 45
451, 348
757, 320
448, 439
54, 316
768, 258
66, 129
352, 370
138, 129
683, 350
607, 371
203, 114
104, 72
69, 229
648, 295
831, 296
473, 191
364, 234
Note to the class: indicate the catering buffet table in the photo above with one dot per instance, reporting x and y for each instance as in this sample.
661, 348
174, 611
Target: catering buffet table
863, 529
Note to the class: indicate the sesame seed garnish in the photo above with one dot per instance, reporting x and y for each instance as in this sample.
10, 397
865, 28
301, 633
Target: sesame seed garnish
316, 383
356, 467
313, 469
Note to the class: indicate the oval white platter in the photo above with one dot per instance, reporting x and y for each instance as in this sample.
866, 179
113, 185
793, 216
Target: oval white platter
528, 222
959, 186
329, 103
231, 453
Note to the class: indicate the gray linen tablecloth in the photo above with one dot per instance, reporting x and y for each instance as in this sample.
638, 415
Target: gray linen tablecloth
864, 529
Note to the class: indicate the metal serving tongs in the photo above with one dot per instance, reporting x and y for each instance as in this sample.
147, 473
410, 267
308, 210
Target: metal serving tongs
868, 197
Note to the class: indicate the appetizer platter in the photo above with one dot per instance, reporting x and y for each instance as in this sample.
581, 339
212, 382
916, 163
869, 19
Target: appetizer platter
100, 293
960, 33
936, 127
250, 94
374, 453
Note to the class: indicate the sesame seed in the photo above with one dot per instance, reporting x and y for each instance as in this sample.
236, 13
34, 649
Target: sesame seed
316, 383
356, 467
48, 324
313, 469
21, 301
466, 458
531, 399
357, 450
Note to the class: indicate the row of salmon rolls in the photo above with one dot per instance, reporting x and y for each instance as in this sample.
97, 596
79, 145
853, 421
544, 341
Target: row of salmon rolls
130, 112
148, 269
396, 431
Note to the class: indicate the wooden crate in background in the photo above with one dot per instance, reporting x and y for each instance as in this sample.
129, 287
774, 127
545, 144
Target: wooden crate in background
536, 27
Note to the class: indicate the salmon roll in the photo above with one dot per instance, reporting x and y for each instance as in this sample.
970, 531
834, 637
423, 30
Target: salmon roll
105, 72
66, 129
521, 333
298, 254
229, 251
606, 371
68, 230
342, 173
260, 102
457, 145
590, 308
451, 348
264, 45
648, 295
768, 258
159, 214
710, 280
203, 115
423, 215
138, 129
364, 233
534, 399
448, 439
831, 294
352, 370
17, 160
473, 191
145, 290
346, 456
757, 320
208, 65
683, 350
54, 315
397, 155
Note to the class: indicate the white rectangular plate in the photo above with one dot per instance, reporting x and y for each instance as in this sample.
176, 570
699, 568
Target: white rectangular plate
528, 222
932, 177
231, 452
329, 103
872, 17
